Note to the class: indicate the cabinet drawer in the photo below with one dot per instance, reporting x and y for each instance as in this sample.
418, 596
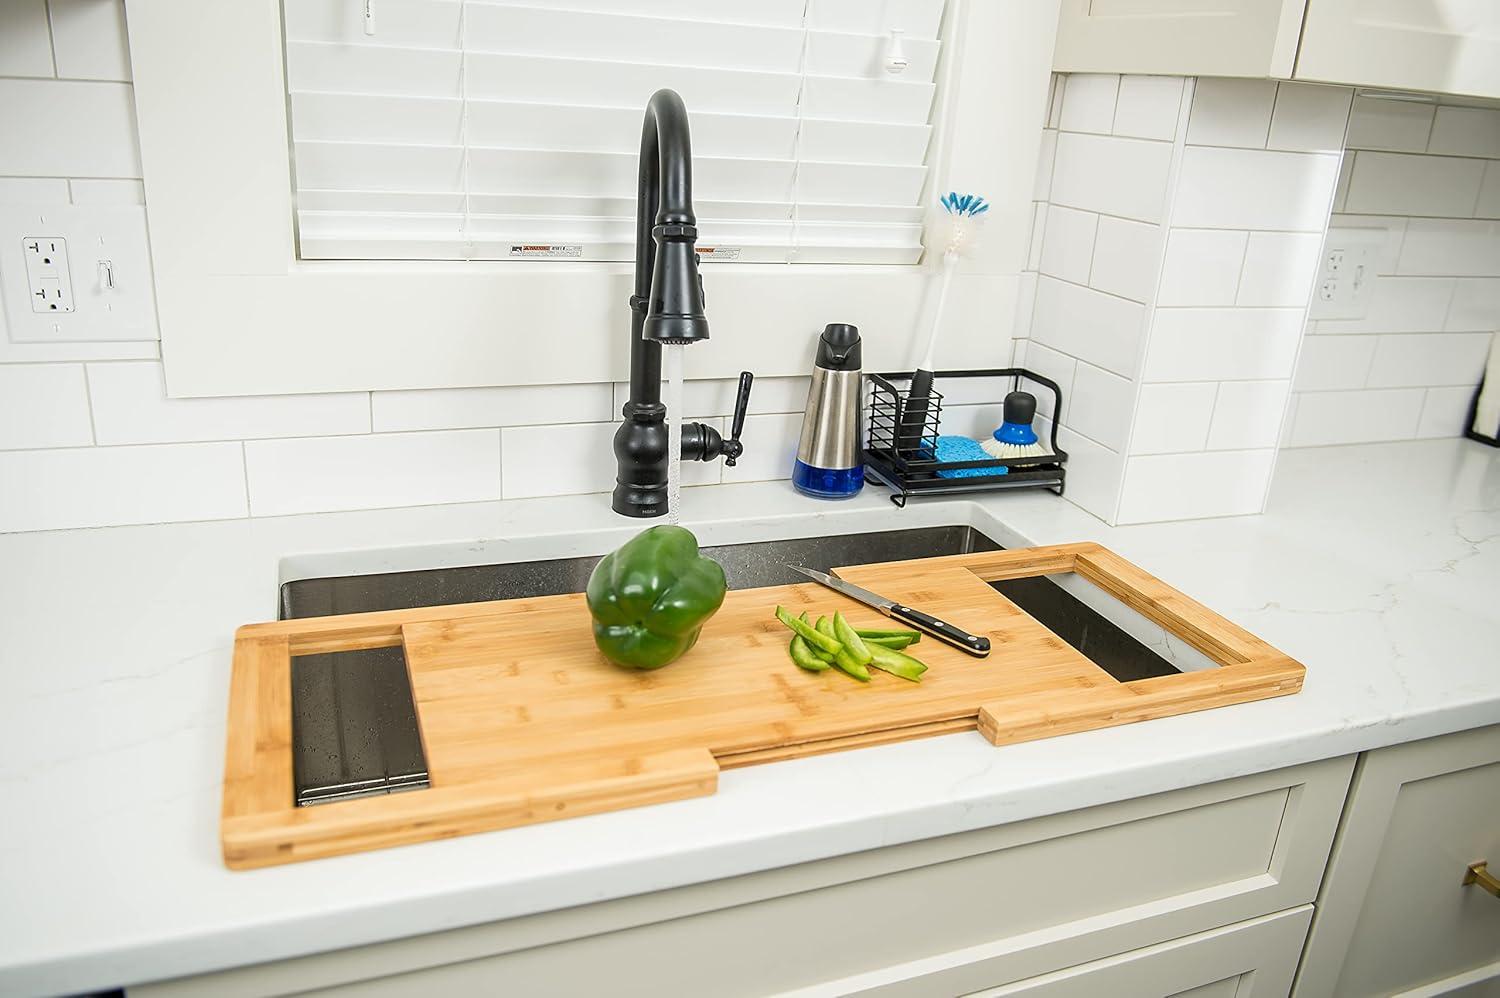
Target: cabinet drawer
974, 909
1394, 913
1254, 959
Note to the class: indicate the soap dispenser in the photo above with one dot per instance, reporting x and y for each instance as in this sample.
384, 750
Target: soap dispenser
829, 463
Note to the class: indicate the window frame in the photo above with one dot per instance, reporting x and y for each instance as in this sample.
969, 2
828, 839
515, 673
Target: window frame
240, 314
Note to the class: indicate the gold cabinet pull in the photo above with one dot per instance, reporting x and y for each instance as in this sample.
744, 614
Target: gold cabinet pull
1479, 873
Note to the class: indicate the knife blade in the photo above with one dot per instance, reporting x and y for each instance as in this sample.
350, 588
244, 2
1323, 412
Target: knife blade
926, 622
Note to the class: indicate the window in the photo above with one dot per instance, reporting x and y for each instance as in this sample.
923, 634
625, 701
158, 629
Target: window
483, 130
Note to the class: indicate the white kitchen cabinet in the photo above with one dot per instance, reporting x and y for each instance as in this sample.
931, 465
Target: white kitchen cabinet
949, 915
1254, 959
1394, 915
1179, 37
1444, 46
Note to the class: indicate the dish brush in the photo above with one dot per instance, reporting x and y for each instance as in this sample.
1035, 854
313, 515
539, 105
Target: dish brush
962, 211
1015, 437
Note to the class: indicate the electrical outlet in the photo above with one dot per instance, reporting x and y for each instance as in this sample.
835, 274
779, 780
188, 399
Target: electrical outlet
86, 279
1347, 273
47, 274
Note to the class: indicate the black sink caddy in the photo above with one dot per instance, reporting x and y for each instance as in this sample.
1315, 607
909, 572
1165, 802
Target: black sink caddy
902, 432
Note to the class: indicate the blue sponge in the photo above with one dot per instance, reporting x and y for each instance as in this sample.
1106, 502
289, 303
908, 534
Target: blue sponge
951, 448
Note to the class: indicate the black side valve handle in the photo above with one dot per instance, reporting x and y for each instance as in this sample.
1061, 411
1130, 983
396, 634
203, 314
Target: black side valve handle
732, 447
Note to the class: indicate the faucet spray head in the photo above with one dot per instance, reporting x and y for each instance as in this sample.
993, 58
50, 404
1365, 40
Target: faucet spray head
674, 311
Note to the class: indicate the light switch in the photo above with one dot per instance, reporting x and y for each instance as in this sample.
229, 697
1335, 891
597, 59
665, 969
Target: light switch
76, 273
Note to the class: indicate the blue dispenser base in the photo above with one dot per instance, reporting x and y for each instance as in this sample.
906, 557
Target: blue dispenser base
827, 483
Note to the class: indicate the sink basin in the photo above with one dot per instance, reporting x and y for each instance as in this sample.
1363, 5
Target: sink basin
354, 726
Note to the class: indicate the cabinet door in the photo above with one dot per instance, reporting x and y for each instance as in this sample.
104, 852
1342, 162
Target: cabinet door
1394, 913
1178, 37
1445, 46
1254, 959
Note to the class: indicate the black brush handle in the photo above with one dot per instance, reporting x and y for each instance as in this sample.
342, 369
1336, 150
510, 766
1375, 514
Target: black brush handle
914, 416
942, 630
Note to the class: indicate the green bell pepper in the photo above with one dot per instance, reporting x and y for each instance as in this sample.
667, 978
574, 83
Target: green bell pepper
651, 597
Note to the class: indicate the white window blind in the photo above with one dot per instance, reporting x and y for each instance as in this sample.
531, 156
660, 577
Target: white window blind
469, 129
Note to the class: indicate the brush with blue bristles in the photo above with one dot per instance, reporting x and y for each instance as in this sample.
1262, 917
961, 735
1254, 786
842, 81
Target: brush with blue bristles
962, 212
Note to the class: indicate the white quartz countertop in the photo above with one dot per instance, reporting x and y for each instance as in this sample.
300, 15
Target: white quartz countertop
1377, 566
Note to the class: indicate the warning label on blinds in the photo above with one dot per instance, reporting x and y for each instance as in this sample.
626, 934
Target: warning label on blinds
546, 251
718, 252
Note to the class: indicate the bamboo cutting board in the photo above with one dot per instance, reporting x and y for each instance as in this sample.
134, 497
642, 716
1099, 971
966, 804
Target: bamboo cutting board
522, 719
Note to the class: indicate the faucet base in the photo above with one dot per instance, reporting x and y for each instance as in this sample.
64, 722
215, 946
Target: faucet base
641, 461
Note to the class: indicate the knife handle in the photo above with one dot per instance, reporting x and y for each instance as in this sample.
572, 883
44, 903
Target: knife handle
942, 630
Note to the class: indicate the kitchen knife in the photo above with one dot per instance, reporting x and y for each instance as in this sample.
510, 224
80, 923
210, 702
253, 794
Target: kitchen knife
942, 630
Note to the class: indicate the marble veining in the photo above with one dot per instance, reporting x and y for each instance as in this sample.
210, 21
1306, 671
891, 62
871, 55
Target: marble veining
1377, 566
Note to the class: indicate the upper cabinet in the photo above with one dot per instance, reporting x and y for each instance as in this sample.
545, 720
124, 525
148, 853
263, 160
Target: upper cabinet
1442, 46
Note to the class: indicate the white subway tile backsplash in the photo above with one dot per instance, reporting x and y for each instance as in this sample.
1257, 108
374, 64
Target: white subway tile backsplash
1397, 126
1043, 360
1173, 418
1068, 246
131, 407
1488, 205
715, 396
1222, 344
1466, 131
1399, 305
557, 460
1309, 117
1094, 471
108, 192
1115, 176
89, 39
1148, 106
1101, 405
521, 405
770, 448
25, 46
1230, 112
1127, 258
1341, 189
1445, 412
1356, 417
1450, 246
106, 486
1403, 184
1332, 363
44, 405
98, 142
322, 474
1194, 486
33, 190
1475, 306
1255, 189
1247, 415
1089, 103
1202, 267
1428, 359
1038, 233
1089, 325
1280, 268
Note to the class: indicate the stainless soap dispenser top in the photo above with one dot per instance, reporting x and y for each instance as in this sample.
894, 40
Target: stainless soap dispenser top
829, 462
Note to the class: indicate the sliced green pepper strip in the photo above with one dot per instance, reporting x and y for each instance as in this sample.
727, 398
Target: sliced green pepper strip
896, 663
852, 642
809, 634
841, 657
823, 656
896, 642
804, 658
868, 633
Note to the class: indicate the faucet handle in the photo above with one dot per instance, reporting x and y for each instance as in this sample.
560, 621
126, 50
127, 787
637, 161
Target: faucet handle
732, 447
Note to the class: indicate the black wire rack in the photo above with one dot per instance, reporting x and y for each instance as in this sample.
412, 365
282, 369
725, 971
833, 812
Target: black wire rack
902, 434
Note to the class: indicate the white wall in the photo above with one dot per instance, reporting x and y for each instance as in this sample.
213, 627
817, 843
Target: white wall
1427, 179
1176, 239
89, 438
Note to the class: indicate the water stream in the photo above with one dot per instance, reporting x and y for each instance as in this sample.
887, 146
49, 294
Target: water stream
672, 376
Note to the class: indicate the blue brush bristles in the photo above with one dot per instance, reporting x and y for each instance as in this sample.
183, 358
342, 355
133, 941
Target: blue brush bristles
955, 203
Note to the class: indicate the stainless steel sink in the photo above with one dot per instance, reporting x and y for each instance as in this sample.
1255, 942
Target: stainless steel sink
354, 727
